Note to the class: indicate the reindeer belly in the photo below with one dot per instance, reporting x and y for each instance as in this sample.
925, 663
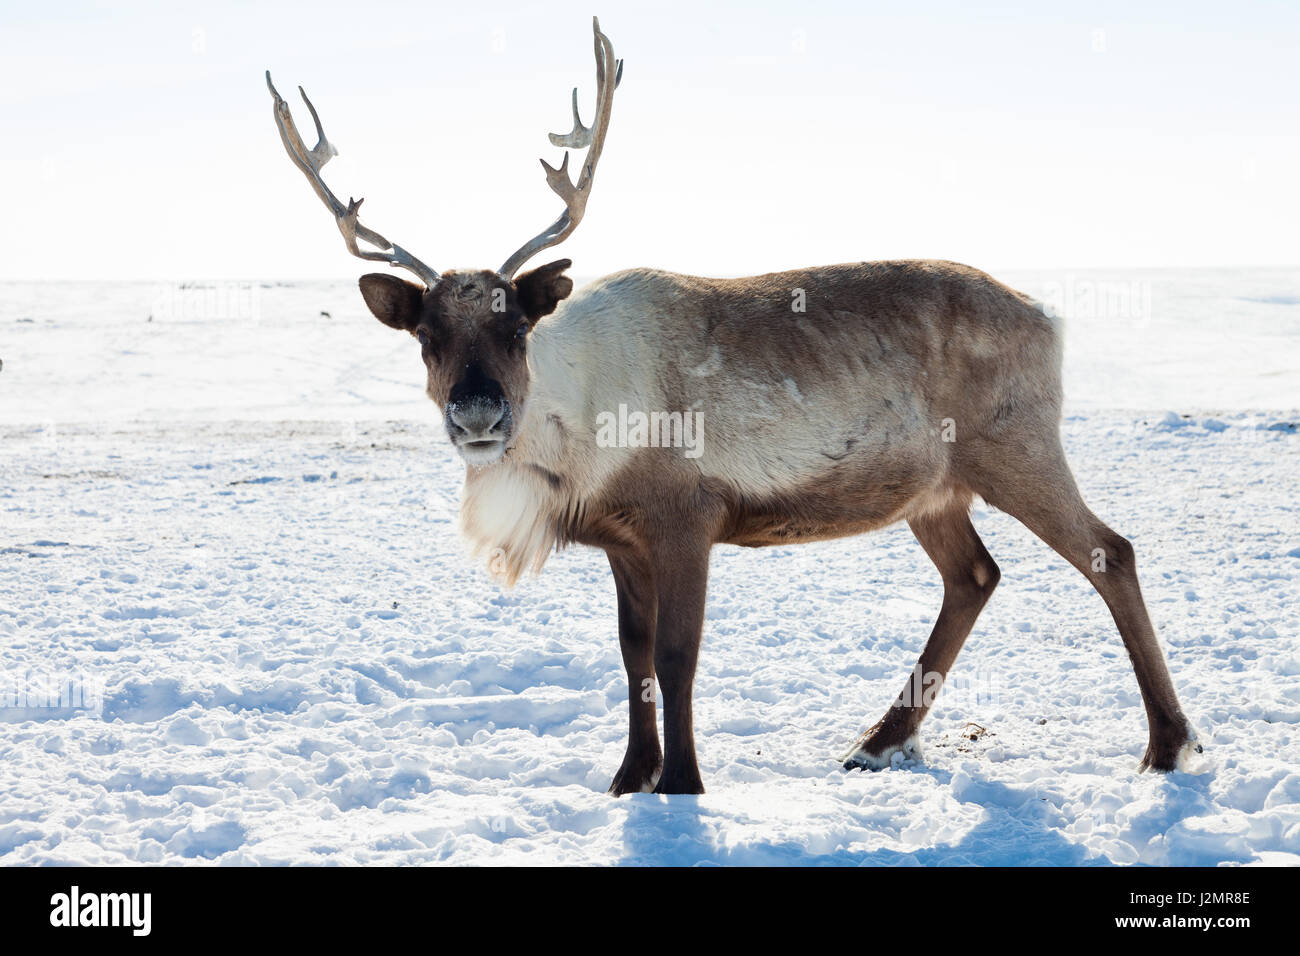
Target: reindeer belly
850, 499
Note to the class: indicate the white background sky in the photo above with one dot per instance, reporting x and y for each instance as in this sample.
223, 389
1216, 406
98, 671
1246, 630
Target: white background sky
138, 140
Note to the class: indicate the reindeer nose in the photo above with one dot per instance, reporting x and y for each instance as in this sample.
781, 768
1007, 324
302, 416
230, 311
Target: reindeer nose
476, 419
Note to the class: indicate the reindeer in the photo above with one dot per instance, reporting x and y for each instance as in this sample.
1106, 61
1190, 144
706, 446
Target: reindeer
821, 423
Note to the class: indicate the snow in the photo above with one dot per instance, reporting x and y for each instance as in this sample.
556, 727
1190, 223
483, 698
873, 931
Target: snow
229, 531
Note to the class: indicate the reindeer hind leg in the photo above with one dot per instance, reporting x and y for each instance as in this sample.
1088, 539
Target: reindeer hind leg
1039, 490
969, 577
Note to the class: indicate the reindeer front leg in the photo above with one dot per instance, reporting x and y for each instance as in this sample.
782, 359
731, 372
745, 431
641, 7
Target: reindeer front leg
643, 761
682, 573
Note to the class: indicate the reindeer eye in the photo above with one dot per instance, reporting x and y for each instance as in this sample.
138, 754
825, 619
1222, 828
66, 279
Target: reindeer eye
522, 330
423, 336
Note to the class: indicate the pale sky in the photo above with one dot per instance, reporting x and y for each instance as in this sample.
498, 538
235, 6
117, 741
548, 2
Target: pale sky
138, 140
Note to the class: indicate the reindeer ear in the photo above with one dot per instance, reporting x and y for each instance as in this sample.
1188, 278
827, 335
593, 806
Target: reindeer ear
541, 290
394, 302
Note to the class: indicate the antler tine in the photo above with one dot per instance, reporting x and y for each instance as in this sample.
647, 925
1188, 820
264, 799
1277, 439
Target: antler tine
310, 162
324, 150
580, 137
591, 137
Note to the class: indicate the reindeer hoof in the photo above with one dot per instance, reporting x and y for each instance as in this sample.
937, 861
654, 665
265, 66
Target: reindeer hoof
866, 756
678, 779
1164, 758
635, 779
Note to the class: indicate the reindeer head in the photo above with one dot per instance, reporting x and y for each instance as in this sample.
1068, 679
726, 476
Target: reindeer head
472, 326
473, 332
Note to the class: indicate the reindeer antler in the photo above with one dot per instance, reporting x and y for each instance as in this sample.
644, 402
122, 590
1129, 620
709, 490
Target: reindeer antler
575, 196
310, 162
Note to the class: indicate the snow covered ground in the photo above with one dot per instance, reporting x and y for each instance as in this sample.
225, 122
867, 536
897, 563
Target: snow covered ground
229, 531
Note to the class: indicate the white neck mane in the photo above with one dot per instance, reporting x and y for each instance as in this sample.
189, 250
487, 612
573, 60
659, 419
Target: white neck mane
511, 511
